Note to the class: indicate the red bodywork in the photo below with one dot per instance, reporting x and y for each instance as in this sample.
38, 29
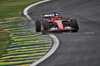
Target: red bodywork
58, 20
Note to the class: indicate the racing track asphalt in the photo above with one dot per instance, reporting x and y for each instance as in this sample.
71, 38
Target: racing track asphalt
76, 49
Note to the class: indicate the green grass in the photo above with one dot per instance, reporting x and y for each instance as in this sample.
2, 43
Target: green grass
13, 8
4, 41
9, 9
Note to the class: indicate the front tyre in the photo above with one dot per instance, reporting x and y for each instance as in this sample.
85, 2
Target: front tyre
38, 25
45, 27
73, 24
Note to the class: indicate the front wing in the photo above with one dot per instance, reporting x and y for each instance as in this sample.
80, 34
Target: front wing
57, 29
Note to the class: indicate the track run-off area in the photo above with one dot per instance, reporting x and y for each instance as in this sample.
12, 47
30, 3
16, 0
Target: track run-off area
26, 47
76, 49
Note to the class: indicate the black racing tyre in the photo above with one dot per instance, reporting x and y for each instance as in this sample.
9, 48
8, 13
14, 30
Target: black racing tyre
74, 24
38, 25
45, 27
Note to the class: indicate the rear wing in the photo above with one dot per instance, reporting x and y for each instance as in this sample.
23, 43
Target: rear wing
50, 15
47, 15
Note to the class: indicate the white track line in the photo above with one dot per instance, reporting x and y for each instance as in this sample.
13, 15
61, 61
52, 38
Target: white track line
53, 49
54, 38
27, 8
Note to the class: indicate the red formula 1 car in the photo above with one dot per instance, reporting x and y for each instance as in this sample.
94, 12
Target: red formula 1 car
55, 22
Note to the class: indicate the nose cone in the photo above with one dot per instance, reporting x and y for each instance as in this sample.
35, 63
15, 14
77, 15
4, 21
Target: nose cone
60, 25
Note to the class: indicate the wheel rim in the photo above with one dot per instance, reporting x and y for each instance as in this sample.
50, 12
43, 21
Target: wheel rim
41, 27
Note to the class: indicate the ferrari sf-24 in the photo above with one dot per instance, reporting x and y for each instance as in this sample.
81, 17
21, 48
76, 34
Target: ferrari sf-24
55, 22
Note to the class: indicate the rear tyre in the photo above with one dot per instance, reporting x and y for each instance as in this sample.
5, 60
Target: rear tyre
38, 25
73, 24
45, 27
